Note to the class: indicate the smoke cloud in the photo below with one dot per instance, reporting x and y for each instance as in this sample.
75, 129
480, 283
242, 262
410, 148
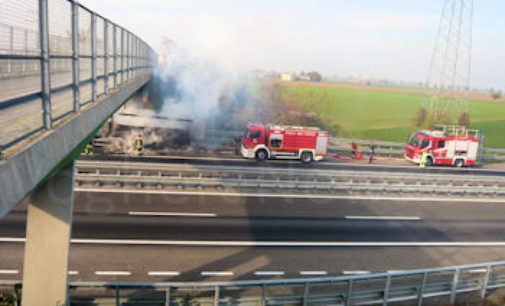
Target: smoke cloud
195, 82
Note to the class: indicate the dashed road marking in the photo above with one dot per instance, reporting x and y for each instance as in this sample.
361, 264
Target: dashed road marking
313, 273
73, 272
9, 271
385, 218
477, 271
216, 273
111, 273
170, 214
358, 272
163, 273
268, 273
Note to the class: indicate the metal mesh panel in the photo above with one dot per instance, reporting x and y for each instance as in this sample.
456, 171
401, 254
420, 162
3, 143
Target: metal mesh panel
84, 32
61, 72
19, 27
20, 120
110, 39
99, 37
60, 27
125, 54
85, 92
14, 84
62, 103
84, 69
100, 82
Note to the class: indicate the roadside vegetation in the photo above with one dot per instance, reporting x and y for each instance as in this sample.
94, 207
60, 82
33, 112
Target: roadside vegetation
368, 113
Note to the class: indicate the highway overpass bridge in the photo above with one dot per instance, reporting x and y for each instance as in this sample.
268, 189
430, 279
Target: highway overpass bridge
64, 70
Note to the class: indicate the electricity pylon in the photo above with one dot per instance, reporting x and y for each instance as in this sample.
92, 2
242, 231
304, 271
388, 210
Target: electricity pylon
449, 76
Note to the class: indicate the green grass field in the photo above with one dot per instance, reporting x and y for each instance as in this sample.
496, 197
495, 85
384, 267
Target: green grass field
387, 116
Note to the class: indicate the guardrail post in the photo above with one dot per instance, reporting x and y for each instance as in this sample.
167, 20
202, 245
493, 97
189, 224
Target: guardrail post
118, 296
348, 298
75, 55
420, 294
44, 63
93, 57
454, 288
167, 296
386, 290
263, 295
216, 296
106, 55
485, 283
306, 294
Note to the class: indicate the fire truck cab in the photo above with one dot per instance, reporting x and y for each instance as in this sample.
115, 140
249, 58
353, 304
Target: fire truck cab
450, 145
263, 142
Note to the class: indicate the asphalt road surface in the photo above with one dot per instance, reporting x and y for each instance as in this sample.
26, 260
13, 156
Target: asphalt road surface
146, 237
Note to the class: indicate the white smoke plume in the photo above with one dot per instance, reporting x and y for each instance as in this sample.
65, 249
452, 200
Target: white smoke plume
194, 81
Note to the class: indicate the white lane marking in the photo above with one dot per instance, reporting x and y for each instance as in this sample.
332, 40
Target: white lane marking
385, 218
124, 273
170, 214
395, 271
163, 273
300, 196
355, 272
268, 273
216, 273
275, 243
313, 272
477, 271
9, 271
73, 272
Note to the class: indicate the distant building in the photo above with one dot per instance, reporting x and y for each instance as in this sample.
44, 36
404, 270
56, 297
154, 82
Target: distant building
286, 77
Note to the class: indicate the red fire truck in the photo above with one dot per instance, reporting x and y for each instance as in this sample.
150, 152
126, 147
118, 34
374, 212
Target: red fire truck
263, 142
450, 145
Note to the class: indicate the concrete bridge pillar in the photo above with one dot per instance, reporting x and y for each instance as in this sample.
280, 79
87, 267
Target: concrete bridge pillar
48, 233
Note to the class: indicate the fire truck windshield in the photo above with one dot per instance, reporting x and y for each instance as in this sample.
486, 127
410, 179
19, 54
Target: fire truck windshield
414, 141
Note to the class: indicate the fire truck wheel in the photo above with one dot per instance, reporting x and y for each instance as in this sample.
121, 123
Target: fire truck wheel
429, 161
459, 163
261, 155
306, 157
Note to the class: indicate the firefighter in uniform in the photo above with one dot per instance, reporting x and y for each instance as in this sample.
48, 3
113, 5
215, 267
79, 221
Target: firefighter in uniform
424, 158
89, 148
139, 145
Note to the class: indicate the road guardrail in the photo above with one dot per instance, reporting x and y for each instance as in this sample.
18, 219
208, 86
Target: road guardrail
470, 282
162, 176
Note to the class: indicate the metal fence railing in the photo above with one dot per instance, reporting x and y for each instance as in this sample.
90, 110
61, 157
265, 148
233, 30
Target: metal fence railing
57, 56
447, 284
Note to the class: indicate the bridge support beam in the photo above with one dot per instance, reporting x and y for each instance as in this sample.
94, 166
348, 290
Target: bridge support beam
48, 233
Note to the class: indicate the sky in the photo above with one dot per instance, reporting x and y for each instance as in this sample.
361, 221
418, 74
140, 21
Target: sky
382, 39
